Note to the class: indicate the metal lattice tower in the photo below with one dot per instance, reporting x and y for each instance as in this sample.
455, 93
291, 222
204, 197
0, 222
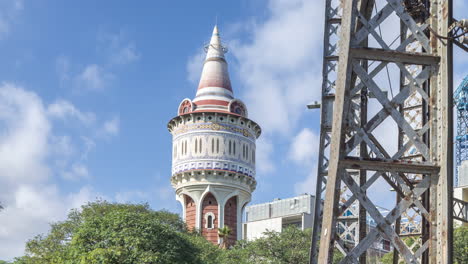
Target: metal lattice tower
460, 97
352, 159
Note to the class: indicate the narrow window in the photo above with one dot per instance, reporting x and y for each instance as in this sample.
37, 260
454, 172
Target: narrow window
247, 152
210, 221
200, 145
229, 147
196, 145
234, 148
217, 145
212, 145
253, 155
185, 146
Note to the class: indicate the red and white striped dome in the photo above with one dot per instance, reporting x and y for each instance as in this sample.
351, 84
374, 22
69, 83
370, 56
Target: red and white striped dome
214, 92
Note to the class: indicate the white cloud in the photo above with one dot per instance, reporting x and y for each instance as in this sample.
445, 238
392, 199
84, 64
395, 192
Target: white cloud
94, 77
308, 184
278, 67
125, 55
112, 126
77, 171
194, 66
304, 147
64, 109
9, 13
263, 153
30, 150
23, 137
119, 49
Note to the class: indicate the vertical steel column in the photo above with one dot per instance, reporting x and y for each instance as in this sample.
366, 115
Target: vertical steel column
330, 60
433, 67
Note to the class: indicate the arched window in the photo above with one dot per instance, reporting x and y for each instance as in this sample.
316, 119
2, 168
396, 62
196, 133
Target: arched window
210, 222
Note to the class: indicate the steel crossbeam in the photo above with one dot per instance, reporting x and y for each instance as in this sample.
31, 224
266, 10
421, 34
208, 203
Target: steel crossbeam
460, 210
420, 170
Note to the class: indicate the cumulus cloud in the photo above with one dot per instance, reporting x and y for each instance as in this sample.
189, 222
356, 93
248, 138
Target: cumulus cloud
94, 77
263, 152
112, 126
304, 146
308, 184
63, 109
278, 67
23, 137
77, 171
31, 152
114, 49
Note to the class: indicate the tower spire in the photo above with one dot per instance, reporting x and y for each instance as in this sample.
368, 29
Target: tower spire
214, 90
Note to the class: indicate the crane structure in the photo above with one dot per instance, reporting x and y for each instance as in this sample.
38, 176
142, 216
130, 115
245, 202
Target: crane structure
358, 48
460, 99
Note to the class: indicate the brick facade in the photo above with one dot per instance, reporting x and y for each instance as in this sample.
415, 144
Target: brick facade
190, 213
230, 219
210, 204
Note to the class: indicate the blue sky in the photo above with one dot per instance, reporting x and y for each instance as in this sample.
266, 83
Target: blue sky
87, 88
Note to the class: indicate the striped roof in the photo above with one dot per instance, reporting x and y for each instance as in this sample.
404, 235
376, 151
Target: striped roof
214, 92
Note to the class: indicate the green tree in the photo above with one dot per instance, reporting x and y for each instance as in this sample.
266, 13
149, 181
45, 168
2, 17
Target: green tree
103, 232
460, 245
223, 234
290, 246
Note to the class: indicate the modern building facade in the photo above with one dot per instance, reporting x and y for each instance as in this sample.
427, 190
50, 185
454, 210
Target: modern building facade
278, 214
213, 161
299, 212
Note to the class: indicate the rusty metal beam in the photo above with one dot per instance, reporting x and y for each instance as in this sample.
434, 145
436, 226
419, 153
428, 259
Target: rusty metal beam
420, 171
375, 54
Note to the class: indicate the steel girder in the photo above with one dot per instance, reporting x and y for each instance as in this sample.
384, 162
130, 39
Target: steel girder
423, 185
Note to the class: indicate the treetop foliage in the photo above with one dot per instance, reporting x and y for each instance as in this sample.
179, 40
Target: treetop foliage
111, 233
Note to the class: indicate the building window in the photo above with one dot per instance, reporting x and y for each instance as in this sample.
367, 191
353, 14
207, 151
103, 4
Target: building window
247, 152
234, 148
209, 220
212, 145
200, 145
229, 147
217, 145
196, 146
